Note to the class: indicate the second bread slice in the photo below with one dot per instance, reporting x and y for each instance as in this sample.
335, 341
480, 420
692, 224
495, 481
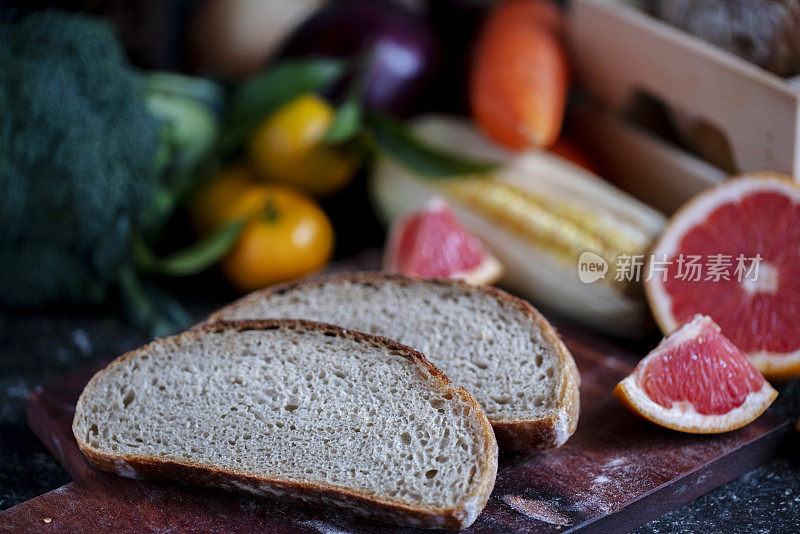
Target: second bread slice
495, 345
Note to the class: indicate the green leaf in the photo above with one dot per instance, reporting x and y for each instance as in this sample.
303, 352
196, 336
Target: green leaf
204, 90
347, 123
170, 315
275, 87
188, 109
395, 139
150, 308
191, 260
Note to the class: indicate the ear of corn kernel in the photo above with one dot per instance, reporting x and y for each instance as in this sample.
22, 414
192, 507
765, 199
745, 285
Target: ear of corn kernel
563, 228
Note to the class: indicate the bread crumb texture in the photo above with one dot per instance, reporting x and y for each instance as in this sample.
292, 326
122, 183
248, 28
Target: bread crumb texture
299, 405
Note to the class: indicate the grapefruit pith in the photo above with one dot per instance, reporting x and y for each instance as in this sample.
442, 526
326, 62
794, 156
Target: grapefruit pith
696, 381
432, 243
733, 253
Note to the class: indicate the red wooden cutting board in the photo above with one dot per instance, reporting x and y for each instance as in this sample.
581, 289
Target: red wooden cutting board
616, 473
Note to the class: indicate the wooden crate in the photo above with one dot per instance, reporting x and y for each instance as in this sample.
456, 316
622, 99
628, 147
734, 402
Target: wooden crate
619, 51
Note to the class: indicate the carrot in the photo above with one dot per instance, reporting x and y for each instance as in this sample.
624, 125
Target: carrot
531, 13
520, 74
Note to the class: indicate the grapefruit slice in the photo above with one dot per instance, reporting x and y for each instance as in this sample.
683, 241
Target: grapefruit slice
757, 305
433, 243
696, 381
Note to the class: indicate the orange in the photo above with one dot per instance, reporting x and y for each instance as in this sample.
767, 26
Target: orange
520, 75
696, 381
732, 253
286, 236
208, 205
288, 148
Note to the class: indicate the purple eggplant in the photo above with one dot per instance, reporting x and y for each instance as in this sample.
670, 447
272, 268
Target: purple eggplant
395, 52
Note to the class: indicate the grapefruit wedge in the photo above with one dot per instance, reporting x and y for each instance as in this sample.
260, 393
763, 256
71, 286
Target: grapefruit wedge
745, 236
433, 243
696, 381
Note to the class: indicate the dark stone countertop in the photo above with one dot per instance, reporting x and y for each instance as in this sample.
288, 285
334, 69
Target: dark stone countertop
35, 348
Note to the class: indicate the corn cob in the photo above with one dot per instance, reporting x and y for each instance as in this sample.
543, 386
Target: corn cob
564, 229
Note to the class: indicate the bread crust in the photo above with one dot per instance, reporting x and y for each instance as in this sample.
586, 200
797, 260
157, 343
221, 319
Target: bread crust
312, 493
547, 432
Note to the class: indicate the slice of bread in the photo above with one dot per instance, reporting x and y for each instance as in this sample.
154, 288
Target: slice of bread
296, 410
495, 345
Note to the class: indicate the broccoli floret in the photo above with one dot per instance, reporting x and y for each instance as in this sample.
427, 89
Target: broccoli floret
82, 158
78, 158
